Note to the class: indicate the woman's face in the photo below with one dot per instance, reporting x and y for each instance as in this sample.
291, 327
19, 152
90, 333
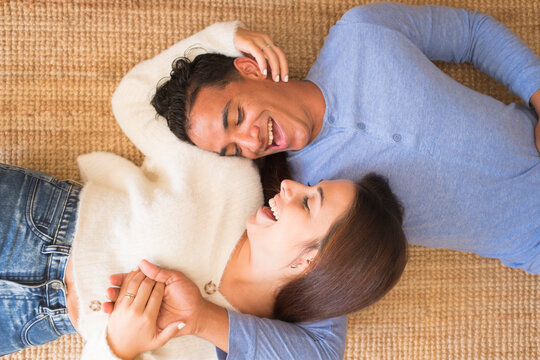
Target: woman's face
298, 215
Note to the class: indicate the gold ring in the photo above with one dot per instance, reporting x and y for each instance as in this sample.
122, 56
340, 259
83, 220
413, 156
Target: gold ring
129, 296
266, 46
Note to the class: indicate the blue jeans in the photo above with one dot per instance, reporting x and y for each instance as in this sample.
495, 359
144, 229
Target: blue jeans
38, 215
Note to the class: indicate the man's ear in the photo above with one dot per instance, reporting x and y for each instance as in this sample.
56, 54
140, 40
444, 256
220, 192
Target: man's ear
248, 68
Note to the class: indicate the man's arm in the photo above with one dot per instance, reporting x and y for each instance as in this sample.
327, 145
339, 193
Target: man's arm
459, 35
245, 336
251, 337
242, 336
239, 336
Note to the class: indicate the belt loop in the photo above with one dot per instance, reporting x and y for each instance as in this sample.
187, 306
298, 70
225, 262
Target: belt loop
56, 249
74, 183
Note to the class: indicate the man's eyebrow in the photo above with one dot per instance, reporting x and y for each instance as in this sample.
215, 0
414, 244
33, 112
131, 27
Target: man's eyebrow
225, 115
319, 189
224, 118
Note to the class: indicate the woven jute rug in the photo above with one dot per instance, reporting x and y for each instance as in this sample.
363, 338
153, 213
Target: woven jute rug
60, 61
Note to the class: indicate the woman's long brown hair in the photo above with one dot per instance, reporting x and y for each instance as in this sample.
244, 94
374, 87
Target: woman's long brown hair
359, 261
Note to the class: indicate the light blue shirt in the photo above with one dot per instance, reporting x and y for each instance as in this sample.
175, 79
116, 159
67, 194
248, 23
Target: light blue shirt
464, 164
251, 337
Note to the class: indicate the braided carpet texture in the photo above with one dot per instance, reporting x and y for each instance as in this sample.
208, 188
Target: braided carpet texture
61, 60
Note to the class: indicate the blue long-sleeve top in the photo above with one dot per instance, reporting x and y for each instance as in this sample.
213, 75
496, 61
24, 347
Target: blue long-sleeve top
464, 165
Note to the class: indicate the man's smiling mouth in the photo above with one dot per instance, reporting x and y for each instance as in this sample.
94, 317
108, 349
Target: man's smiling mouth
270, 133
276, 136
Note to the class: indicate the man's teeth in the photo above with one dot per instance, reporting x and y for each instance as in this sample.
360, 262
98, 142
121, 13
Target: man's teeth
270, 133
274, 208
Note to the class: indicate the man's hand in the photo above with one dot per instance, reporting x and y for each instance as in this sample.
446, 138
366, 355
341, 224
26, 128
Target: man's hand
182, 302
535, 102
132, 325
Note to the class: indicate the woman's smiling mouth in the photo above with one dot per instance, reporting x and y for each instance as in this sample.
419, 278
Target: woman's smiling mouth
274, 208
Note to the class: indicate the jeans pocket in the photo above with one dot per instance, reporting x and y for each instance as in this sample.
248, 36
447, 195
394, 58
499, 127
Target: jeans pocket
45, 207
39, 331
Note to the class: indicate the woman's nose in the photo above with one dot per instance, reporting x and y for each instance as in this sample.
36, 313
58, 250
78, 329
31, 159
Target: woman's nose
290, 188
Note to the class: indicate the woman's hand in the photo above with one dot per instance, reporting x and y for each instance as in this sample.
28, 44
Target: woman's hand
262, 48
132, 327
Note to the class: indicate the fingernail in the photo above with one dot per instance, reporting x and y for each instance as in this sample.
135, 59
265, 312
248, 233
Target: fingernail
265, 72
277, 78
180, 326
286, 78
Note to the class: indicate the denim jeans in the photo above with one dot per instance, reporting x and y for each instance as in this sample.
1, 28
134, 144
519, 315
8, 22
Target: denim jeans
38, 215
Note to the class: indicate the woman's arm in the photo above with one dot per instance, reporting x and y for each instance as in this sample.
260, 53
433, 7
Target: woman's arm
131, 100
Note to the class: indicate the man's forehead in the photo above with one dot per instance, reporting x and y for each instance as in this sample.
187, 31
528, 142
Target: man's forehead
206, 128
210, 102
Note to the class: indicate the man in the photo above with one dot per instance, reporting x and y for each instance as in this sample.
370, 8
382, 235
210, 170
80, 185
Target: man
465, 166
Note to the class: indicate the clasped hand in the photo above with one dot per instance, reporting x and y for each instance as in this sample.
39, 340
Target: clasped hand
147, 308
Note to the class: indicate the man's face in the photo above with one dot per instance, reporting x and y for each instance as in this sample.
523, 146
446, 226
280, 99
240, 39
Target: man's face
250, 118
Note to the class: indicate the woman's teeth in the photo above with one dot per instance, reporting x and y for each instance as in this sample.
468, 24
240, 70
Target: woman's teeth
274, 208
270, 133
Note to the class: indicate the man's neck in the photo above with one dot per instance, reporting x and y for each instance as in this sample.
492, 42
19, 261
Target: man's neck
316, 103
313, 102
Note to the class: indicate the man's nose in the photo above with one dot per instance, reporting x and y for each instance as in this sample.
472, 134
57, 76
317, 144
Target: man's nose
248, 138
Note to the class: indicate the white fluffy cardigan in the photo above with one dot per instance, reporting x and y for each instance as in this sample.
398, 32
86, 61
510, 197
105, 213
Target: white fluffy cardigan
183, 209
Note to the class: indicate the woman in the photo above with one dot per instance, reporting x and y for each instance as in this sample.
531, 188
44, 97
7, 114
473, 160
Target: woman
299, 245
185, 209
295, 249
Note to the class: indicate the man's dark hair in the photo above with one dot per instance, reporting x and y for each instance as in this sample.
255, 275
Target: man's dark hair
175, 97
